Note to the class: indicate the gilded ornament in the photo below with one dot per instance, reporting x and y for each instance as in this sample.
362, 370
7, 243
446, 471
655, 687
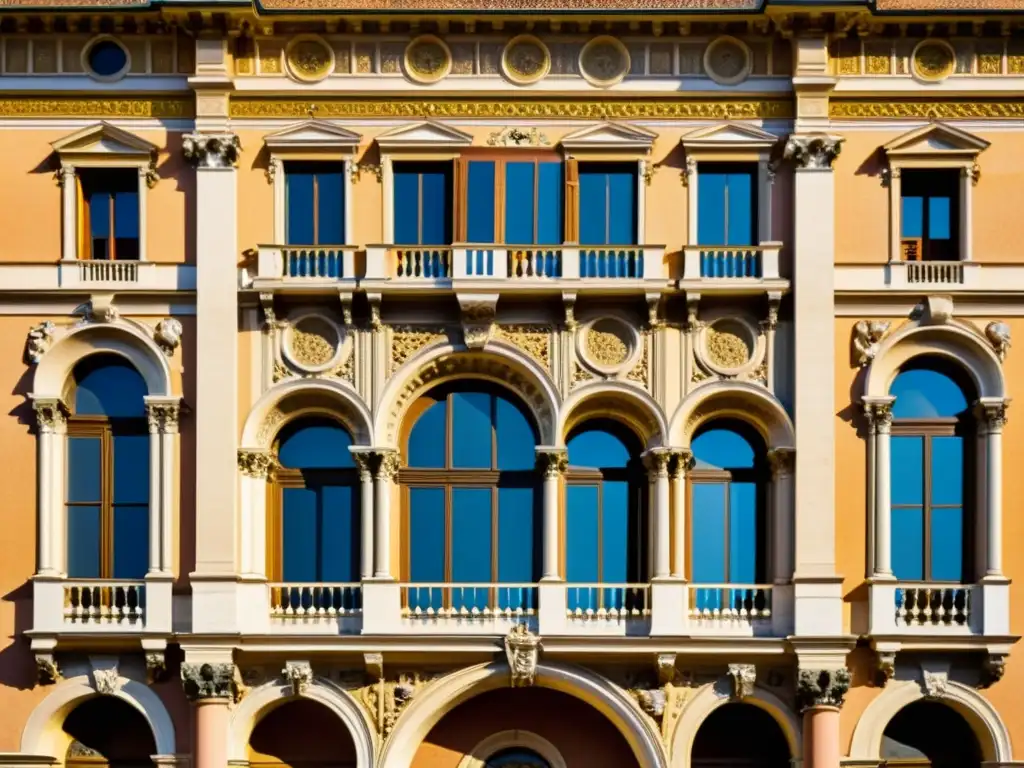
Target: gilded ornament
641, 372
877, 58
525, 60
516, 137
604, 61
309, 58
427, 59
139, 107
503, 6
281, 372
407, 340
310, 346
270, 58
534, 340
606, 347
727, 60
726, 348
933, 60
931, 109
1014, 64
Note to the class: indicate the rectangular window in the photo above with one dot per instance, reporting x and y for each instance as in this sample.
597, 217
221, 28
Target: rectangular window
314, 203
423, 203
930, 215
608, 204
727, 204
533, 206
109, 214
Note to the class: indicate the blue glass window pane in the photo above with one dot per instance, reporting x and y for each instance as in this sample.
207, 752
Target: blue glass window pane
519, 203
622, 207
722, 448
131, 469
908, 543
316, 445
711, 207
84, 542
550, 208
299, 561
407, 205
426, 534
339, 535
742, 533
126, 214
615, 532
298, 189
480, 202
741, 207
84, 474
331, 207
515, 436
939, 218
99, 214
436, 205
708, 528
471, 430
912, 217
471, 545
109, 386
593, 207
131, 541
947, 543
107, 58
947, 470
516, 535
427, 441
906, 462
581, 533
925, 393
598, 449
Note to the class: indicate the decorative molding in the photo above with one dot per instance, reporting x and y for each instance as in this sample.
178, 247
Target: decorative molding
998, 334
453, 6
933, 60
822, 687
134, 107
427, 59
168, 335
815, 151
525, 60
727, 60
867, 334
210, 681
156, 667
211, 150
258, 464
534, 340
478, 313
517, 137
39, 341
522, 649
299, 675
407, 340
583, 109
934, 685
604, 61
925, 109
742, 677
308, 58
107, 682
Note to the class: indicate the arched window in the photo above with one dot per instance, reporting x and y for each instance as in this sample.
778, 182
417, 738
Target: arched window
605, 529
470, 502
762, 744
516, 757
929, 473
910, 738
314, 524
108, 471
728, 521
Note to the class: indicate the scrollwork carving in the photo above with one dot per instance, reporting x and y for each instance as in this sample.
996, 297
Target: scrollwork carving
867, 334
522, 649
534, 340
407, 340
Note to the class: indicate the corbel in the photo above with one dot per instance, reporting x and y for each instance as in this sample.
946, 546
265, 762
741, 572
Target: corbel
374, 663
346, 308
267, 303
665, 666
569, 302
653, 305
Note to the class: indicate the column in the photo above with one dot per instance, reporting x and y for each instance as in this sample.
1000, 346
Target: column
69, 213
52, 425
680, 465
211, 688
657, 462
879, 414
994, 412
163, 414
781, 460
386, 465
364, 464
255, 466
146, 173
552, 462
820, 693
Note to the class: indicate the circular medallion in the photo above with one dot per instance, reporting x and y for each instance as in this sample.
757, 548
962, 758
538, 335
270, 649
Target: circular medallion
727, 60
608, 346
604, 61
729, 345
309, 58
525, 60
105, 58
933, 60
314, 344
427, 59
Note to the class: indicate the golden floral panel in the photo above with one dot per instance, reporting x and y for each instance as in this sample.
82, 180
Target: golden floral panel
509, 6
928, 109
80, 106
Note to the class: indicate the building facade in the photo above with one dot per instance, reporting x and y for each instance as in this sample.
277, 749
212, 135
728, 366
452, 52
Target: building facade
556, 384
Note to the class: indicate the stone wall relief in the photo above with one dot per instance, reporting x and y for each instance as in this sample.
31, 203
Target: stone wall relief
312, 344
729, 346
610, 346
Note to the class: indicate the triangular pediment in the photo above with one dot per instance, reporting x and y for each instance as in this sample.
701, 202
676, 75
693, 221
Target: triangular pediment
312, 134
610, 136
426, 133
729, 136
103, 139
936, 139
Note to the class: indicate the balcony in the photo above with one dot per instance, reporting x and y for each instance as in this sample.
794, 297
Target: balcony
732, 269
88, 276
305, 267
947, 276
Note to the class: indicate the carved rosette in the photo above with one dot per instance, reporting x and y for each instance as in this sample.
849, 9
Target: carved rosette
813, 151
209, 681
522, 649
822, 687
211, 150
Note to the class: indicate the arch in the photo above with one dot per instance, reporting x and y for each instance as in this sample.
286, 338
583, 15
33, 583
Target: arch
291, 399
972, 706
262, 700
119, 338
442, 696
478, 756
617, 400
741, 400
498, 362
44, 734
714, 695
953, 342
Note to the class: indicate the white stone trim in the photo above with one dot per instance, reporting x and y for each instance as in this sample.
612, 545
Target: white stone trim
44, 734
749, 402
715, 695
479, 754
622, 390
260, 701
975, 708
442, 696
261, 425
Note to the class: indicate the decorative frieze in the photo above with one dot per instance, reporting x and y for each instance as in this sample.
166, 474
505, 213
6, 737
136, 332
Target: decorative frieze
822, 687
209, 681
930, 108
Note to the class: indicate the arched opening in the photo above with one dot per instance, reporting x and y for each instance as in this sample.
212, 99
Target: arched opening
105, 731
740, 736
605, 528
314, 521
471, 506
107, 496
301, 734
728, 519
930, 734
538, 728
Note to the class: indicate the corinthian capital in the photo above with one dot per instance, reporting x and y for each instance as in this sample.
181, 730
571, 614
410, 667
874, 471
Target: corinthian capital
163, 415
992, 411
813, 150
255, 463
822, 687
552, 462
211, 150
209, 681
878, 411
51, 414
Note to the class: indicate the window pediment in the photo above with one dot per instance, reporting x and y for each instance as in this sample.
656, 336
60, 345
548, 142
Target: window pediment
312, 135
608, 135
104, 143
426, 134
729, 136
935, 142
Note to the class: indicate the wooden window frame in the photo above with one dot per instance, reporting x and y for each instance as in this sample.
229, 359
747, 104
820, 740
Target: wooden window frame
84, 206
457, 180
637, 202
955, 214
316, 197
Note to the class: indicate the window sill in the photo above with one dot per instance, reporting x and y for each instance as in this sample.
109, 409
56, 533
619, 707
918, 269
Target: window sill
952, 276
90, 276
